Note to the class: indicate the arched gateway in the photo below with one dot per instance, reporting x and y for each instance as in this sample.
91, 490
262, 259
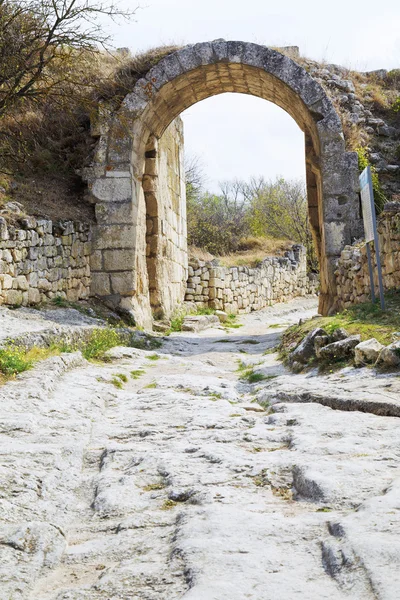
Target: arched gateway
132, 264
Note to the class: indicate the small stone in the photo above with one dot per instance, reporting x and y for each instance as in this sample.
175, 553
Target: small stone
339, 334
3, 229
222, 316
389, 356
253, 407
367, 351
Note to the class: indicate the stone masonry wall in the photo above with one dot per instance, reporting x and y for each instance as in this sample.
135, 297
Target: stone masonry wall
166, 237
352, 275
244, 289
42, 260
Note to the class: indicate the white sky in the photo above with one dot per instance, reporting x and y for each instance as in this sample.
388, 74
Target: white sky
237, 135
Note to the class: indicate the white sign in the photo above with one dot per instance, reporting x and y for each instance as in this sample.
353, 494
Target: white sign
367, 204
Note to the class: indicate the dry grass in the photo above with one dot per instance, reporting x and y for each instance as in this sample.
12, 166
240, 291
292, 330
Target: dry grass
130, 69
200, 253
253, 251
42, 144
53, 197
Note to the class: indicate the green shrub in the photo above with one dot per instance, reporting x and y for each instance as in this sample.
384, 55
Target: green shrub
363, 162
396, 105
99, 342
251, 377
137, 373
13, 360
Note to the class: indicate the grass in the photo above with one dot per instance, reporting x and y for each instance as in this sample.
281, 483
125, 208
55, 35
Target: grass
272, 350
15, 359
122, 377
137, 373
94, 348
153, 357
152, 487
248, 374
242, 366
118, 379
116, 382
176, 324
230, 323
252, 377
151, 386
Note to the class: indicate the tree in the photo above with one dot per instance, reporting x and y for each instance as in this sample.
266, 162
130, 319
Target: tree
38, 40
216, 222
52, 62
279, 209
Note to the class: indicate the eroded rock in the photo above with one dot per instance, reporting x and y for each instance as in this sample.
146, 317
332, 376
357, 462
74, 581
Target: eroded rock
389, 357
306, 350
367, 351
341, 349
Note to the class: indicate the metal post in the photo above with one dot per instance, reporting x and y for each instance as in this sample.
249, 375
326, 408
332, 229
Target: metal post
376, 242
371, 272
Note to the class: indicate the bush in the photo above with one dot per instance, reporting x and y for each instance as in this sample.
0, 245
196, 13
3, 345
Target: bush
13, 360
99, 342
363, 162
396, 105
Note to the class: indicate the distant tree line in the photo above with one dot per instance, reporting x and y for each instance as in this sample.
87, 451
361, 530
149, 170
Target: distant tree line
221, 222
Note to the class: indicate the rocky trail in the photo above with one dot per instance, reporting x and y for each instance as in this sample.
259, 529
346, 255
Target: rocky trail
188, 483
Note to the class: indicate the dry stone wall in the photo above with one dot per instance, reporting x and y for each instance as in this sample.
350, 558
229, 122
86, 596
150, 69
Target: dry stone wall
40, 260
243, 289
352, 274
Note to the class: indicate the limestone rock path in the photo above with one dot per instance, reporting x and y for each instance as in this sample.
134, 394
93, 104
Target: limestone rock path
177, 485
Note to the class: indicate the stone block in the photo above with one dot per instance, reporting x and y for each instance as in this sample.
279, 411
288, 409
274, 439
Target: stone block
33, 296
100, 284
119, 260
96, 262
13, 297
3, 229
123, 283
22, 282
112, 189
7, 282
115, 236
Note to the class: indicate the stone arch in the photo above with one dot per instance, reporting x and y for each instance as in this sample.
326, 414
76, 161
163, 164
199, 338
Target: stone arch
123, 184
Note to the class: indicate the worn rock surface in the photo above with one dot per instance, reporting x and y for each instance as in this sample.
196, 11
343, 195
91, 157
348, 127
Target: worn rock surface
179, 485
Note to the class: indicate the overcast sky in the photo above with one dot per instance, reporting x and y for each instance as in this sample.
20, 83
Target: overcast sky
237, 135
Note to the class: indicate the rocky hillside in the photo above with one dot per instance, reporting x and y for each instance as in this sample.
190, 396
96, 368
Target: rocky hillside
369, 107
